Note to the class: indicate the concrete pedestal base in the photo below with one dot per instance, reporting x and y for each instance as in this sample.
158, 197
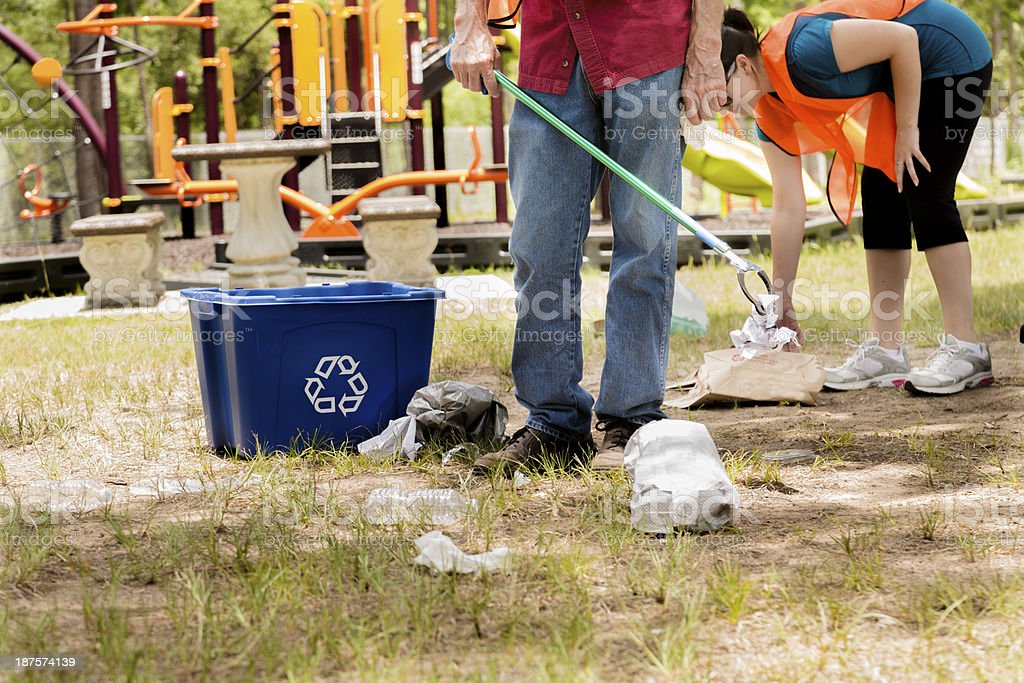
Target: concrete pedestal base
399, 236
261, 245
262, 242
121, 253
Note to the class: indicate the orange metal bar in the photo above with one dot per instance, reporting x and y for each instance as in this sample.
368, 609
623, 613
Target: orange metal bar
329, 221
110, 26
369, 41
347, 205
89, 24
227, 94
432, 19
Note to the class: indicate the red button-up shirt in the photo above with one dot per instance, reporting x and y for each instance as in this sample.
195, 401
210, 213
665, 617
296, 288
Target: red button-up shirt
618, 41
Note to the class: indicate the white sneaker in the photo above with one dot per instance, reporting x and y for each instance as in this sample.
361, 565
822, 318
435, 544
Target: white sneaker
951, 369
869, 366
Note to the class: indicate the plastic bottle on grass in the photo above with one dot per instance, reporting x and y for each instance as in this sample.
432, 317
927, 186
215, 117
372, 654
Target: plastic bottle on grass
689, 314
439, 507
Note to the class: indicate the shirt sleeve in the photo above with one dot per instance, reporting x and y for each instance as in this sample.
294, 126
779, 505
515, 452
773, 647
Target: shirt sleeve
812, 50
763, 137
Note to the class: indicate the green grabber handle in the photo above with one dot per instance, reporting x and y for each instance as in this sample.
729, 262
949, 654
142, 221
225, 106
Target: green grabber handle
741, 265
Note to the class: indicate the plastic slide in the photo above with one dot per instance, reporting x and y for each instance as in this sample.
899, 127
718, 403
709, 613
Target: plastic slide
738, 167
966, 188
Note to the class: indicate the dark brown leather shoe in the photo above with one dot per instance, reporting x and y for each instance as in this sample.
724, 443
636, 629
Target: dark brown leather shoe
529, 448
613, 446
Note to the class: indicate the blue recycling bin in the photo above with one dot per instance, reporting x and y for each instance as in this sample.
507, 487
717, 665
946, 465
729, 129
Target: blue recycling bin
327, 364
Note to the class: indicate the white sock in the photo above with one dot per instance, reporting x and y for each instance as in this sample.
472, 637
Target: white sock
977, 348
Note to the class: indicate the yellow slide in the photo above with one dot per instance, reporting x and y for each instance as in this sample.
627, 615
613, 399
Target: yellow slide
738, 167
966, 188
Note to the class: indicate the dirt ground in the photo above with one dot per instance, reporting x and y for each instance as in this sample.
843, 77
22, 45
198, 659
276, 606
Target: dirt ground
896, 555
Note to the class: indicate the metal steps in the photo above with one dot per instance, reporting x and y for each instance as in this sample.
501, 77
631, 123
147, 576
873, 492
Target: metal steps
355, 157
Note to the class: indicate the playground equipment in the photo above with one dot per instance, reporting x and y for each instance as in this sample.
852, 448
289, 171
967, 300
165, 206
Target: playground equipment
737, 167
339, 73
40, 185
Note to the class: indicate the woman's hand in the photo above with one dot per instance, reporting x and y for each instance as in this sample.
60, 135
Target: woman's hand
788, 319
908, 150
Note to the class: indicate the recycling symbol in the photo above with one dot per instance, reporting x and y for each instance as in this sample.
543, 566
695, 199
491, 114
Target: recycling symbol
346, 403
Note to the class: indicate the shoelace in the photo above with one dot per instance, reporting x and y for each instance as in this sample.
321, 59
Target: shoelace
941, 358
858, 355
618, 432
518, 435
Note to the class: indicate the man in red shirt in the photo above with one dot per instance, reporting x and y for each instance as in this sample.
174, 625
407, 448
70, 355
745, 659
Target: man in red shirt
612, 70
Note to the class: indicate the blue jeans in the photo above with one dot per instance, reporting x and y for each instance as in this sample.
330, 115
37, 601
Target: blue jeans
553, 182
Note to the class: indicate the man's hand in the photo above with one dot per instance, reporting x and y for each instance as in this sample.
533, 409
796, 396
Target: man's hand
703, 84
474, 56
704, 79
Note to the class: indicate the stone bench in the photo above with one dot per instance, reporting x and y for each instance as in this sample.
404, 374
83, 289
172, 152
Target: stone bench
261, 242
121, 253
399, 235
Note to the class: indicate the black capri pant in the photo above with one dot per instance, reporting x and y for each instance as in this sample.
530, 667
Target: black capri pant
950, 109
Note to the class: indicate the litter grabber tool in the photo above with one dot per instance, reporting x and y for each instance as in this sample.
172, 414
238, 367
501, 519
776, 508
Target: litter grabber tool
743, 266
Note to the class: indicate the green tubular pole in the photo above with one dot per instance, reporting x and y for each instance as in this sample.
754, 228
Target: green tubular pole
643, 188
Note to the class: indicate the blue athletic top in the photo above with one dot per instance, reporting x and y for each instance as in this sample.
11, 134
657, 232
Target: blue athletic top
950, 42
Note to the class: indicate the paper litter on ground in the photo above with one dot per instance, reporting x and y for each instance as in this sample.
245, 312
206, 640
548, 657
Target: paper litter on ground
760, 332
439, 553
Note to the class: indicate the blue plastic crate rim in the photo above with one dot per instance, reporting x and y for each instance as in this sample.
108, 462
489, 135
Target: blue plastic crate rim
327, 293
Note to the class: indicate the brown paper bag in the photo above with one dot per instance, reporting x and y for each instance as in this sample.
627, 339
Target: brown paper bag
770, 376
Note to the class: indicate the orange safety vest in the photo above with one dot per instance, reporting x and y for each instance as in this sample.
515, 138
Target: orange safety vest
503, 13
800, 124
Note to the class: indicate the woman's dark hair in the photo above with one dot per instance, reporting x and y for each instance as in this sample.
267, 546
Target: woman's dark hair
738, 37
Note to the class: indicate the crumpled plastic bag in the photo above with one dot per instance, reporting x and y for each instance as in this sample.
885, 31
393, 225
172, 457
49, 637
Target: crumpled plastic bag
439, 553
679, 482
399, 437
761, 332
457, 411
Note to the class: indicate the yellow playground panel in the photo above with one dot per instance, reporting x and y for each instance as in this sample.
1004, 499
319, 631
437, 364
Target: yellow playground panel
392, 58
738, 167
307, 22
164, 111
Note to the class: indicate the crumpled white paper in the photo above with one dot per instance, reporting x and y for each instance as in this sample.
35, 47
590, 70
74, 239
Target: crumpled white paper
679, 481
761, 332
439, 553
399, 437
